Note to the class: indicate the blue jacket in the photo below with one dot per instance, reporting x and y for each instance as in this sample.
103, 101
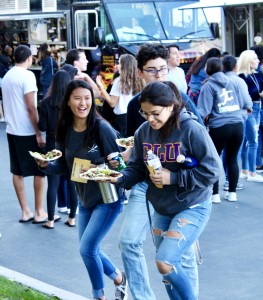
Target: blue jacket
197, 80
48, 69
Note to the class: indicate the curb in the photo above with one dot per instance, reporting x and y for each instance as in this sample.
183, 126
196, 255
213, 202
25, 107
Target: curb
39, 285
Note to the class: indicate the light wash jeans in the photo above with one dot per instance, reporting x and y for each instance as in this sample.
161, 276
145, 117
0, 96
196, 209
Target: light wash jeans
249, 151
170, 249
94, 224
132, 236
260, 139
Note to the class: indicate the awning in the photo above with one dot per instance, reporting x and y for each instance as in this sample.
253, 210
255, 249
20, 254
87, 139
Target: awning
219, 3
28, 16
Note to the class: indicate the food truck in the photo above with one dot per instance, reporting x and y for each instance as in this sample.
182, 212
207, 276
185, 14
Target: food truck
105, 29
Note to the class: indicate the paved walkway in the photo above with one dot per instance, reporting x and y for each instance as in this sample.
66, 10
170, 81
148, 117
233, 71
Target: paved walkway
231, 246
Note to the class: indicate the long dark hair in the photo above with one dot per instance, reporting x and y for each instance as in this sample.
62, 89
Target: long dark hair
164, 94
66, 116
58, 88
43, 51
199, 63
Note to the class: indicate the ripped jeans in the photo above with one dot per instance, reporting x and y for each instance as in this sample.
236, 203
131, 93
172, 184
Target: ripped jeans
249, 150
175, 236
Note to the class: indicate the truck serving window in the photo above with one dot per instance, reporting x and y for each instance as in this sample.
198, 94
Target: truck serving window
85, 22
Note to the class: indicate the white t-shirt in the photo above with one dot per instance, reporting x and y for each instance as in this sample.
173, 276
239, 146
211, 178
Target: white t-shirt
17, 82
121, 106
177, 76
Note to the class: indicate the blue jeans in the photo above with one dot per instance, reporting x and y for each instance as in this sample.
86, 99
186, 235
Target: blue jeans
189, 224
94, 224
132, 236
260, 140
249, 151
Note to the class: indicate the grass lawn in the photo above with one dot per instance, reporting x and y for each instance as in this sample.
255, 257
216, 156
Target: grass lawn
10, 290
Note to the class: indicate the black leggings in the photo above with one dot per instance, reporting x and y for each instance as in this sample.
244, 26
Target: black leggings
52, 190
228, 137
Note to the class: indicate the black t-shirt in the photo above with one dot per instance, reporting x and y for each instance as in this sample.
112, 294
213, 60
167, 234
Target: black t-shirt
134, 119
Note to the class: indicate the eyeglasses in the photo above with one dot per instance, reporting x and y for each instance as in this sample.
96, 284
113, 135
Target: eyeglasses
146, 115
154, 72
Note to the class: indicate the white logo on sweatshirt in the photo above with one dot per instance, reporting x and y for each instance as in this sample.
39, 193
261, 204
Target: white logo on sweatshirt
223, 107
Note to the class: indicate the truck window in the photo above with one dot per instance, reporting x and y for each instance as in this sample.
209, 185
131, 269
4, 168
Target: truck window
135, 21
182, 23
160, 20
85, 22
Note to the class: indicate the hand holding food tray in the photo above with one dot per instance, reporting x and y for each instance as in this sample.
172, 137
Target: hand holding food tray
49, 156
98, 174
125, 142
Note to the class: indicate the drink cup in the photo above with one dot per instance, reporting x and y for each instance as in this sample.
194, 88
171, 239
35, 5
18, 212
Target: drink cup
108, 192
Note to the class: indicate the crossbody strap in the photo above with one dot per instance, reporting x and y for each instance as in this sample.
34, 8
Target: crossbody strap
52, 69
150, 219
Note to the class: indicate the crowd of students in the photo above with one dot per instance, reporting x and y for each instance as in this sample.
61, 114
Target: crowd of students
215, 108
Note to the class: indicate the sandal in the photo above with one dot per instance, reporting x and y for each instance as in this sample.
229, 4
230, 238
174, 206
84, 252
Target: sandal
68, 224
46, 226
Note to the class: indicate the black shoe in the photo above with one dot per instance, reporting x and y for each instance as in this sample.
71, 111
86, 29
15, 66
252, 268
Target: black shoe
259, 169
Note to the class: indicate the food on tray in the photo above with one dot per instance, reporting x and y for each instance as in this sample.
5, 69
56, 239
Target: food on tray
126, 142
50, 155
100, 174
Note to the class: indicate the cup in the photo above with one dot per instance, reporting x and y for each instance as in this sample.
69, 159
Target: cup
108, 192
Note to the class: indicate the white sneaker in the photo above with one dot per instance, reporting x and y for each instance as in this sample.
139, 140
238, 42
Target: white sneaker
256, 178
216, 198
231, 196
239, 186
243, 175
62, 209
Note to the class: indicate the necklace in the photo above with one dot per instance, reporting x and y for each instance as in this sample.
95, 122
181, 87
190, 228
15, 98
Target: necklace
254, 78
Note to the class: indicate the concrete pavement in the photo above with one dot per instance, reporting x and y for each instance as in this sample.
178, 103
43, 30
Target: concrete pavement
231, 247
